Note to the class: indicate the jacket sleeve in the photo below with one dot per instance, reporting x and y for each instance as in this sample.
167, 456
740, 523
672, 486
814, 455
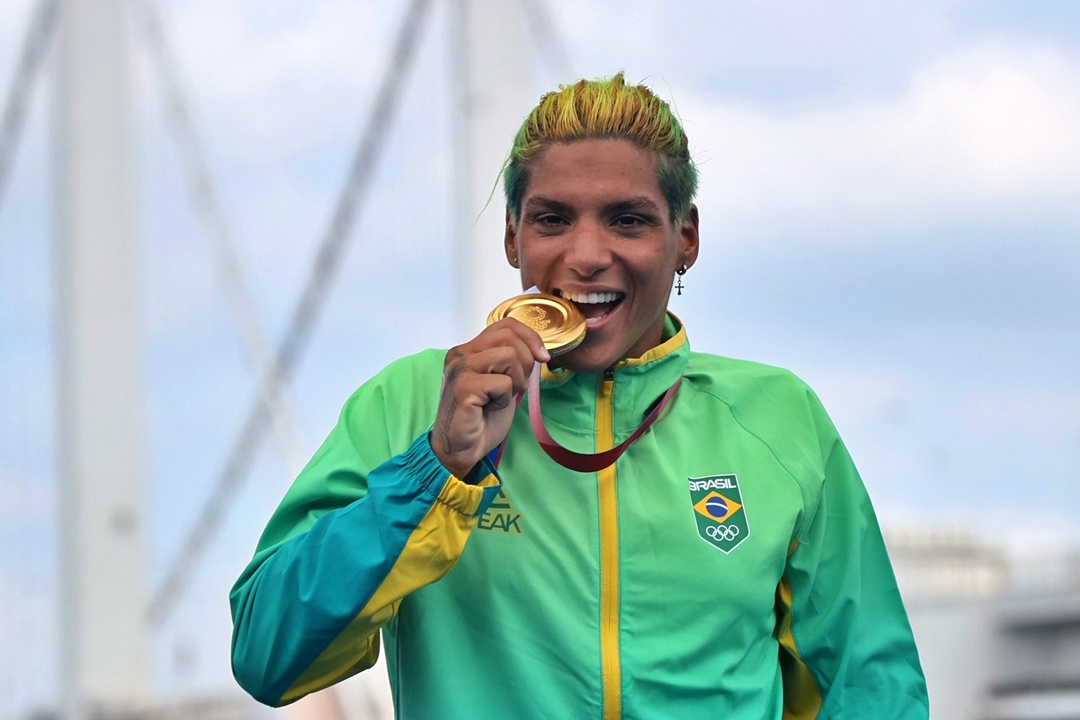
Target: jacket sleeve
342, 550
847, 650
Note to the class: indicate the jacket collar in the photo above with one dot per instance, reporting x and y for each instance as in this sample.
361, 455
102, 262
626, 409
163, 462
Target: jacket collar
638, 383
673, 344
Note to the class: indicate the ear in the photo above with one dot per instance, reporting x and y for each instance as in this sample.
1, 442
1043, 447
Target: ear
510, 243
688, 234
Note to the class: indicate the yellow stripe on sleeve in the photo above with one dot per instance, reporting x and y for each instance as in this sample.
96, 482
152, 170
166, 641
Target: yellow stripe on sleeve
432, 549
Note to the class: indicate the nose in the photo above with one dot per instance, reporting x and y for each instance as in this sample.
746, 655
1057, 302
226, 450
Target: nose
589, 250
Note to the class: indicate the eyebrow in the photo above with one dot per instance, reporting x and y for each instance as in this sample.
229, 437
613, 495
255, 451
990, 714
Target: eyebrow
642, 203
539, 202
637, 203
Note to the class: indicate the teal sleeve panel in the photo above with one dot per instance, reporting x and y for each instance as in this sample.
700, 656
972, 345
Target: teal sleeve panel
847, 618
307, 585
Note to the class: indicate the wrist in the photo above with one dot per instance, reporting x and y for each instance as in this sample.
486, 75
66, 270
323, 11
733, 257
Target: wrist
455, 465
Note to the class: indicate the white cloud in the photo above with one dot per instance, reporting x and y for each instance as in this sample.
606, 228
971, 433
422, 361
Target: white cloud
695, 42
861, 398
264, 81
985, 131
1009, 119
1048, 411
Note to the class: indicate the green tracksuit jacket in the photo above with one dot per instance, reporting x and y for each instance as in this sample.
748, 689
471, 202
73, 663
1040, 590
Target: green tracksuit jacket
729, 565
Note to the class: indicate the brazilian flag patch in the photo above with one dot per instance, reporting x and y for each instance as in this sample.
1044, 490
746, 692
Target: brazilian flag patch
719, 511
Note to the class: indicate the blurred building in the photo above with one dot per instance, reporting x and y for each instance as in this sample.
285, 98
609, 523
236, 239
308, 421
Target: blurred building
998, 633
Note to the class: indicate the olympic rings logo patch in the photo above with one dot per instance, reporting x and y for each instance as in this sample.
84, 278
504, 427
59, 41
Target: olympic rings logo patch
723, 532
719, 511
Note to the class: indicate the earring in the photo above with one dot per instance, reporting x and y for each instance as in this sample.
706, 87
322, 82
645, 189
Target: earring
680, 272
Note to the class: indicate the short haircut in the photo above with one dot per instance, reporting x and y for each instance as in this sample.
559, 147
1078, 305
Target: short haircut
600, 109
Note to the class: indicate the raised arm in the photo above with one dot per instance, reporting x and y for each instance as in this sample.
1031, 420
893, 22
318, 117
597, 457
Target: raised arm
342, 550
377, 514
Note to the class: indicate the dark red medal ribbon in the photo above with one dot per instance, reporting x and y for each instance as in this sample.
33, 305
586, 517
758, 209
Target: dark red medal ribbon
585, 462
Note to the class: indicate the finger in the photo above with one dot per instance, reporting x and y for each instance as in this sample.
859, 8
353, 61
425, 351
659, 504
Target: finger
480, 401
500, 391
506, 333
532, 340
471, 419
500, 361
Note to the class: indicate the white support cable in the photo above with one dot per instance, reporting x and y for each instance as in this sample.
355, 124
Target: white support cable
275, 395
38, 38
320, 280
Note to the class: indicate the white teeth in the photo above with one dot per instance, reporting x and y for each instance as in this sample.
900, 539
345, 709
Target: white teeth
591, 298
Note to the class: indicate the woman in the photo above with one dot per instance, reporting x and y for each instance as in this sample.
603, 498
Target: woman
727, 563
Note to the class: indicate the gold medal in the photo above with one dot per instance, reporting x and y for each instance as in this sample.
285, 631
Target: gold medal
558, 321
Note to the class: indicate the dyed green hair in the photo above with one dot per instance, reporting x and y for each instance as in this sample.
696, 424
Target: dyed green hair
606, 108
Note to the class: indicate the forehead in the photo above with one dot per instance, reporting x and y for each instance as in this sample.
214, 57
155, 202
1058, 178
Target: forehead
594, 169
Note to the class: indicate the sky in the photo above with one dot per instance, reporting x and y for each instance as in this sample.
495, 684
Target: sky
890, 207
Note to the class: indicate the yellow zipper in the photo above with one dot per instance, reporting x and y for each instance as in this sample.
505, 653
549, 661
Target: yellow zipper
609, 553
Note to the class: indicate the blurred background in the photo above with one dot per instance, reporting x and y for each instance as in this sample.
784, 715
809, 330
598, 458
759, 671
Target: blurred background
218, 219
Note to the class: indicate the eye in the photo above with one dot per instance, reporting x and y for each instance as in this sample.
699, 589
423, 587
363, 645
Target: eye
632, 223
548, 221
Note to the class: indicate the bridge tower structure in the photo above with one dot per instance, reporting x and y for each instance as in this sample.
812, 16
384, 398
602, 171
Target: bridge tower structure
100, 388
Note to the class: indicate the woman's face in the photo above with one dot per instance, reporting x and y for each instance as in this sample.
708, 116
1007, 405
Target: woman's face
596, 229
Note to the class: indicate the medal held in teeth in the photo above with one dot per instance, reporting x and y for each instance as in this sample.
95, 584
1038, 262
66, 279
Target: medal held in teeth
558, 321
561, 325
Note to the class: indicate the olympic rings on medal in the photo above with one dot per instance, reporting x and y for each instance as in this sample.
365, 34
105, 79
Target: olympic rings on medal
722, 532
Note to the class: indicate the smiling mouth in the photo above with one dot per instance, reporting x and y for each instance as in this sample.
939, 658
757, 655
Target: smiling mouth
594, 306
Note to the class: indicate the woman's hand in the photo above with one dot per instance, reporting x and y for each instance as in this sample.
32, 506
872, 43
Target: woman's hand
480, 380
